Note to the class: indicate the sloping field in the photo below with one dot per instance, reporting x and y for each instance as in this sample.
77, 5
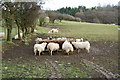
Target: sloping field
101, 62
90, 31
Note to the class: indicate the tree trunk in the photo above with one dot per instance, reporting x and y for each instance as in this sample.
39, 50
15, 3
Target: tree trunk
32, 30
26, 31
40, 23
60, 20
53, 21
19, 37
9, 31
23, 36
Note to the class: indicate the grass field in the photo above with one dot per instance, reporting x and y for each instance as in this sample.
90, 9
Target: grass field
19, 69
42, 29
69, 71
90, 31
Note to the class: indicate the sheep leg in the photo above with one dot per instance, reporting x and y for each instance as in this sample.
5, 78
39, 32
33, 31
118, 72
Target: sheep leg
88, 50
68, 53
57, 51
35, 52
39, 53
78, 50
51, 53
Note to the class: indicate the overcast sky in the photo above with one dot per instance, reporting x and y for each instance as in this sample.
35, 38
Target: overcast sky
56, 4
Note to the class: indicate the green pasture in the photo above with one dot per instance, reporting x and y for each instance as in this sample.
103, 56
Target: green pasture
90, 31
19, 69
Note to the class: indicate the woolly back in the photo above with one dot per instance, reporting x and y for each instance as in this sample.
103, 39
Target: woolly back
66, 41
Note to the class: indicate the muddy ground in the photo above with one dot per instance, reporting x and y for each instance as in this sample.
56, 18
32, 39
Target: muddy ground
104, 54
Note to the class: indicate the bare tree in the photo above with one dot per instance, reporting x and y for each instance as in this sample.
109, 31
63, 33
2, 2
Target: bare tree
25, 16
42, 17
52, 15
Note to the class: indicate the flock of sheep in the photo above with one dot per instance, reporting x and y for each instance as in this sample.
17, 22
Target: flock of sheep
55, 44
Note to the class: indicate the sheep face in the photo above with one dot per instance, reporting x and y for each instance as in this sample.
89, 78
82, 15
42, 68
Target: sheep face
38, 40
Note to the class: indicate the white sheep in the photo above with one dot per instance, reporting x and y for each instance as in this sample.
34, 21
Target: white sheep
70, 39
37, 40
64, 38
53, 38
53, 31
35, 30
16, 36
2, 34
67, 46
39, 47
53, 47
59, 38
50, 38
50, 31
79, 40
82, 45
